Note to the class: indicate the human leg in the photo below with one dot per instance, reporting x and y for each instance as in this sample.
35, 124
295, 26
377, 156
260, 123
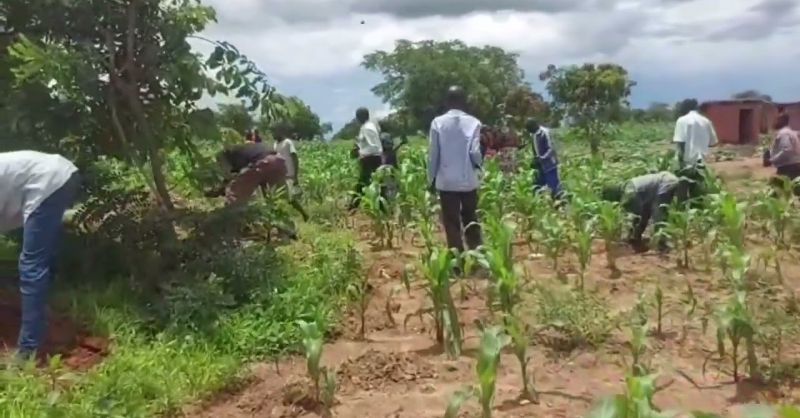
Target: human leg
469, 218
450, 203
39, 239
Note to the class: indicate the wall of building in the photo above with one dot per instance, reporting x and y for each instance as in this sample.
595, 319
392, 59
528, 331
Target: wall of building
725, 117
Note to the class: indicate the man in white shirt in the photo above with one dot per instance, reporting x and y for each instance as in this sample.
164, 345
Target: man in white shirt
36, 190
454, 161
694, 134
369, 151
288, 153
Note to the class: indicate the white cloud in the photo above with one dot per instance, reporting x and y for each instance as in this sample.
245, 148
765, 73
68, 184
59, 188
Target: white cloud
635, 33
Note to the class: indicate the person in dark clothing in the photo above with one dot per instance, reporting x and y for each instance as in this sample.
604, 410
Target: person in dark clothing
784, 154
390, 159
253, 166
545, 161
646, 197
256, 137
369, 151
454, 162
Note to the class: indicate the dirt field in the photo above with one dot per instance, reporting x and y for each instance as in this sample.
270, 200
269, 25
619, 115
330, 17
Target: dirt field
400, 373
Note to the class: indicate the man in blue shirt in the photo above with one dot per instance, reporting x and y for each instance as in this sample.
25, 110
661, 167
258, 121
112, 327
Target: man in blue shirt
454, 160
545, 161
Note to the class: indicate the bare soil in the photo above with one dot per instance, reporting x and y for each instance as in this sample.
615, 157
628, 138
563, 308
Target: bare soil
398, 371
65, 337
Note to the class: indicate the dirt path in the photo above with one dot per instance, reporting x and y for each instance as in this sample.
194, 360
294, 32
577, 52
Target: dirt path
400, 373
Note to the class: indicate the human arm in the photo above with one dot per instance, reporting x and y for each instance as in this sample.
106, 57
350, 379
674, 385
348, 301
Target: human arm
546, 143
475, 155
433, 154
712, 133
678, 138
781, 148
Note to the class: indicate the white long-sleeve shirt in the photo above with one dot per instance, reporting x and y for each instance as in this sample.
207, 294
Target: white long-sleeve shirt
27, 178
369, 140
697, 133
454, 152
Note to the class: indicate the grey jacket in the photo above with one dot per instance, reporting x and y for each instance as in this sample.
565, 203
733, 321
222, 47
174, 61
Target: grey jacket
454, 152
785, 148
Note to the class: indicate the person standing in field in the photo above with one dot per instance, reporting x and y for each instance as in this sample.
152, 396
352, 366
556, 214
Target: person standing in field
253, 166
694, 134
647, 198
369, 151
36, 189
784, 153
454, 162
287, 151
545, 161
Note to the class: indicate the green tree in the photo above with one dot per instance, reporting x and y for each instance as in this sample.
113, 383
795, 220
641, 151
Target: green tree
590, 95
522, 103
127, 84
417, 75
235, 116
327, 128
349, 131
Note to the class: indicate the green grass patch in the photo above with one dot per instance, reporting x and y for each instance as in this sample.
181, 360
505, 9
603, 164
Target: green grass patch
150, 373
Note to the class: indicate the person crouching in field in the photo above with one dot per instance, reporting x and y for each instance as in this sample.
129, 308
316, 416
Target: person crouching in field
545, 161
36, 190
647, 197
253, 166
784, 154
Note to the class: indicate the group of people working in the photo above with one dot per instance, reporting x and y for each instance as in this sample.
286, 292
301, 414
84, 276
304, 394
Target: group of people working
36, 189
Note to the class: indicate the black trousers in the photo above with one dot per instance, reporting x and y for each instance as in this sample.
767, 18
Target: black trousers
460, 215
367, 167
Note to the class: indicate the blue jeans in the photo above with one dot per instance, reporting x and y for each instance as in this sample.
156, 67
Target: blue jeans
547, 179
40, 234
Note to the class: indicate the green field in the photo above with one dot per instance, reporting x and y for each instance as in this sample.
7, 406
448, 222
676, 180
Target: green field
178, 341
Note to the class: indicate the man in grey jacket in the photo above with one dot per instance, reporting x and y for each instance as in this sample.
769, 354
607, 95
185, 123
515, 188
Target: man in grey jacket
647, 197
784, 154
454, 162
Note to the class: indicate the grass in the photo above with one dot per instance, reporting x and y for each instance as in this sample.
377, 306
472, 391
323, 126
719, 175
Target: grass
149, 374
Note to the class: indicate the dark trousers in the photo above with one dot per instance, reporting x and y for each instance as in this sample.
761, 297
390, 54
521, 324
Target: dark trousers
460, 214
786, 173
367, 167
645, 211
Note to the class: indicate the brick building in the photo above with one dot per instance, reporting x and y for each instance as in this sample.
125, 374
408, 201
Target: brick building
743, 121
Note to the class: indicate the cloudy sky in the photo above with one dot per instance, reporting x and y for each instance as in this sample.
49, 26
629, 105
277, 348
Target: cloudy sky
673, 48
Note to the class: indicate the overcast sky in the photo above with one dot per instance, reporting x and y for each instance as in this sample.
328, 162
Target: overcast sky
673, 48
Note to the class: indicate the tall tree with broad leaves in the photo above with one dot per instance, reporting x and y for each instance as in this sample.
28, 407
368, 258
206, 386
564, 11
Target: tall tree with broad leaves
418, 74
592, 96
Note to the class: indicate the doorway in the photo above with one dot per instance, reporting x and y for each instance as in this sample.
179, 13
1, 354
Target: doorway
745, 126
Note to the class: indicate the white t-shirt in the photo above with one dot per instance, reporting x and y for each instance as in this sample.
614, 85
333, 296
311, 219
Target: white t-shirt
285, 149
369, 140
697, 132
27, 178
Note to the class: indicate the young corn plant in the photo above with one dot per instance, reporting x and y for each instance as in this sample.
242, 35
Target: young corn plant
324, 384
380, 210
555, 235
504, 294
734, 321
679, 226
778, 215
583, 237
360, 293
437, 269
637, 346
609, 226
635, 402
492, 343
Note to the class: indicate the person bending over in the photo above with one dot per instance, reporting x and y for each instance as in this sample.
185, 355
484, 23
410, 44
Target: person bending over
36, 190
646, 197
252, 166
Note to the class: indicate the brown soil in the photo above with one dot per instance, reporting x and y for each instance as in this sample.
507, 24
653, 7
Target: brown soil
398, 371
65, 337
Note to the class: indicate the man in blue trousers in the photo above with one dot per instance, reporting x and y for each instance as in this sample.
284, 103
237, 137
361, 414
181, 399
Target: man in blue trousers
36, 190
545, 161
